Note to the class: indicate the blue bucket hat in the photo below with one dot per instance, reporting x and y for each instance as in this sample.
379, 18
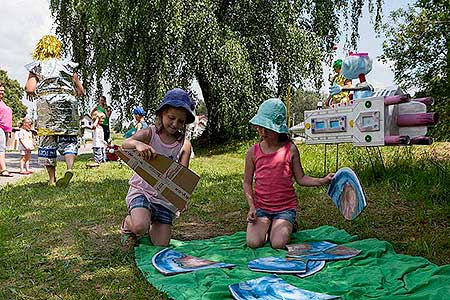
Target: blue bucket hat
271, 115
178, 98
139, 111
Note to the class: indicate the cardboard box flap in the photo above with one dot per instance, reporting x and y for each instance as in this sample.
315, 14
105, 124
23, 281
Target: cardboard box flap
173, 181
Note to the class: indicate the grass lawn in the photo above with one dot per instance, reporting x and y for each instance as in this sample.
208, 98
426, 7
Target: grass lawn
64, 243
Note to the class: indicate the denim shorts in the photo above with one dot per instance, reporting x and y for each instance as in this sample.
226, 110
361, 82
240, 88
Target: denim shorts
160, 214
287, 214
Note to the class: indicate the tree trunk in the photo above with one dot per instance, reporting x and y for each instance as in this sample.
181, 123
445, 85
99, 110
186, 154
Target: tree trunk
213, 128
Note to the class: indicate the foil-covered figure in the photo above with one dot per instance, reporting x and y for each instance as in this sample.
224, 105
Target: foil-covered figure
56, 104
54, 84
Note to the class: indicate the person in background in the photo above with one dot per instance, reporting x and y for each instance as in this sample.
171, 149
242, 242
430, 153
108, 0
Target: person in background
98, 139
5, 127
106, 110
139, 117
25, 145
272, 165
53, 83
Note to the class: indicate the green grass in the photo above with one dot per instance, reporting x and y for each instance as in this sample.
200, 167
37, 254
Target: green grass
64, 243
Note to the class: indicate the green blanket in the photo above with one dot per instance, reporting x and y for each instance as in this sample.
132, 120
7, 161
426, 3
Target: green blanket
377, 273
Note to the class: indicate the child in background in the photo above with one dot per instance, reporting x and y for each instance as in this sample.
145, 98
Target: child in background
98, 138
147, 212
139, 116
25, 137
273, 163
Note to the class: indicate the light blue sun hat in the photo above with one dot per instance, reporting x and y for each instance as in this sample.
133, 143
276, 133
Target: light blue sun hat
271, 115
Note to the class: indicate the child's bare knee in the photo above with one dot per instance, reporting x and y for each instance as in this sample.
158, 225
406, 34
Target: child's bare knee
141, 228
252, 243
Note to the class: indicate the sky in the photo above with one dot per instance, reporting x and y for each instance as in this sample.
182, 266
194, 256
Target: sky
24, 22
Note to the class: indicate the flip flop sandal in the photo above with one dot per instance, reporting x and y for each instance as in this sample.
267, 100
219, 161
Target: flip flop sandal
5, 173
128, 241
64, 182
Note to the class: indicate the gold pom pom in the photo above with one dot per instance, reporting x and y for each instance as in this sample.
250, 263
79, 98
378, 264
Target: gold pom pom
47, 47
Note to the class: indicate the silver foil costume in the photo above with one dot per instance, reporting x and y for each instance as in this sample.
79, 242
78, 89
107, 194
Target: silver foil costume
57, 107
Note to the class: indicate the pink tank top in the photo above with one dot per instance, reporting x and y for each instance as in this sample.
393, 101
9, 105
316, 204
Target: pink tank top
274, 185
139, 186
5, 117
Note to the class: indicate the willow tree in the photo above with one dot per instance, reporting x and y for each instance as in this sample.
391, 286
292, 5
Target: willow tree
240, 52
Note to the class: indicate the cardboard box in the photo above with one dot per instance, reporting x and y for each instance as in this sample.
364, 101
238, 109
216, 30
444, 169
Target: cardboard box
174, 182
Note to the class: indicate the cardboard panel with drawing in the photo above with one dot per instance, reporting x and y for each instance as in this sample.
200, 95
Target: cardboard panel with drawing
173, 181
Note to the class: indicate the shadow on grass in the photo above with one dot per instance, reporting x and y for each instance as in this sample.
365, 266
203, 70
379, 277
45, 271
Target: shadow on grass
64, 243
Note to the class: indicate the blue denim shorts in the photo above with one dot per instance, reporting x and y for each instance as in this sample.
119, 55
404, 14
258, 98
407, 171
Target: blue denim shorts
287, 214
160, 214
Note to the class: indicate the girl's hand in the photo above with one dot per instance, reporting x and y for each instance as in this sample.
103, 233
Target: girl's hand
146, 151
251, 216
185, 208
327, 179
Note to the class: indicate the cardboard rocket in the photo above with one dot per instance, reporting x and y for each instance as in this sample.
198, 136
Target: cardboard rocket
173, 181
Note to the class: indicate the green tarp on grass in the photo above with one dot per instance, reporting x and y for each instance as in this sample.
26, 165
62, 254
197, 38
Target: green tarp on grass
377, 273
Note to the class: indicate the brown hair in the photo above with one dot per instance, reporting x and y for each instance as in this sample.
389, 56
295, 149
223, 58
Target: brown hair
97, 114
24, 120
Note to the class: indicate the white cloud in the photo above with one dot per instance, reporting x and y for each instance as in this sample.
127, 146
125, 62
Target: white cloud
22, 24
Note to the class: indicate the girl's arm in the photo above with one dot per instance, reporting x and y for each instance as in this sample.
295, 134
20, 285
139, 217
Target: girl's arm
248, 185
94, 125
78, 86
140, 141
30, 85
185, 153
300, 176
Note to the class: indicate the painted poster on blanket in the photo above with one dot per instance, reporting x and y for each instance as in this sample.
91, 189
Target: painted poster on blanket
272, 288
312, 267
320, 251
277, 265
171, 262
347, 194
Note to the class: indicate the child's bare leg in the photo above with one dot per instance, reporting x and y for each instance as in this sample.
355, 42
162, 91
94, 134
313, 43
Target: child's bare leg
22, 163
27, 161
280, 233
70, 159
257, 232
160, 234
51, 170
138, 221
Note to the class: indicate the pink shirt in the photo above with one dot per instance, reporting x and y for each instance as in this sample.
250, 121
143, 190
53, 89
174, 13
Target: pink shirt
274, 185
5, 117
139, 186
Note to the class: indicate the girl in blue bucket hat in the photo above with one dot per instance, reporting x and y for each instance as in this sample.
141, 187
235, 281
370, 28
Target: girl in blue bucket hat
148, 213
271, 166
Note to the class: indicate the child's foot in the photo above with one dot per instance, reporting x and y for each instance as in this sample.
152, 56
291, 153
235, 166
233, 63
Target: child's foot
23, 172
51, 184
128, 241
30, 172
295, 227
63, 182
